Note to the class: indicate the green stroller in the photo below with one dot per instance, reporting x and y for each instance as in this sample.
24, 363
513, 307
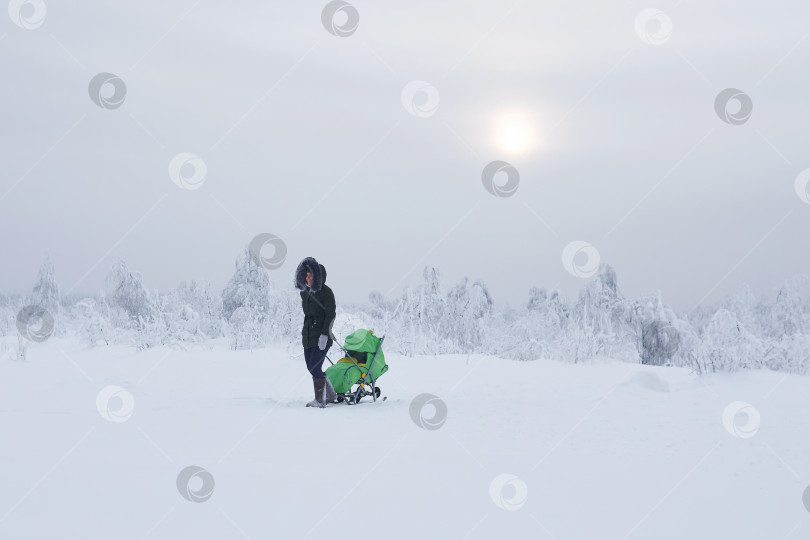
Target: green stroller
362, 365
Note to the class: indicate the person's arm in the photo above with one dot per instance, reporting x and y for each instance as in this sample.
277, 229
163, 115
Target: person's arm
330, 308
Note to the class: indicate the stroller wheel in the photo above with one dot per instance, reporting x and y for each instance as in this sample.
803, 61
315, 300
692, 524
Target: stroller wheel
340, 398
377, 391
358, 394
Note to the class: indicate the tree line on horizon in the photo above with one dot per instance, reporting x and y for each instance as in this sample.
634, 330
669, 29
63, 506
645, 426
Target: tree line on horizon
740, 332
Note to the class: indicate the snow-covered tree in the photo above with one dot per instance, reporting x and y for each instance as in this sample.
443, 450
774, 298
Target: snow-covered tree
432, 303
246, 329
246, 303
787, 314
89, 321
286, 316
749, 310
46, 290
467, 309
605, 321
728, 346
128, 293
660, 340
250, 284
791, 354
537, 299
194, 311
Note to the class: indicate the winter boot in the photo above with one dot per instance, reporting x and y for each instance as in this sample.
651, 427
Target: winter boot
319, 391
330, 396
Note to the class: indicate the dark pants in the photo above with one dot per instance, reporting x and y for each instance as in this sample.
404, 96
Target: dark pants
314, 358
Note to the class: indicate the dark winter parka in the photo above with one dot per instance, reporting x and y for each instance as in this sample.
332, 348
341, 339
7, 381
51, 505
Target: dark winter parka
317, 301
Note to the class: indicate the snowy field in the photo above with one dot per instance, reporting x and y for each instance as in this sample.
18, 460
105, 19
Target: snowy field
602, 450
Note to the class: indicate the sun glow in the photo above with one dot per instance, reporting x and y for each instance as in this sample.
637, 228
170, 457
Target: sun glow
515, 133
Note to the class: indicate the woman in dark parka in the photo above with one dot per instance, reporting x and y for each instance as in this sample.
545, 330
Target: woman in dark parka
318, 303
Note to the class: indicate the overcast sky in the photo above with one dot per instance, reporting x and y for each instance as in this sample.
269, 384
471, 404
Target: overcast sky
611, 124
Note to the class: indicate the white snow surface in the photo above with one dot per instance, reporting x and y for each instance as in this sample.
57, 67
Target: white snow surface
604, 449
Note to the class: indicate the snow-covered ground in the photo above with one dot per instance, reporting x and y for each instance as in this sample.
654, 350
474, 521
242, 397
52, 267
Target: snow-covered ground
601, 450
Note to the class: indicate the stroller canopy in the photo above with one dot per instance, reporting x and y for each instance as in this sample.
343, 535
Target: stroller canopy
362, 341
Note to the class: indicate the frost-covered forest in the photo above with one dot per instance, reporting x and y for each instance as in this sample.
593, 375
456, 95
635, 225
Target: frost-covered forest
742, 332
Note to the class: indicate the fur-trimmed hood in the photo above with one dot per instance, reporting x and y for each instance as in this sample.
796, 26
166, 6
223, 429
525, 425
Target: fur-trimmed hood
318, 270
